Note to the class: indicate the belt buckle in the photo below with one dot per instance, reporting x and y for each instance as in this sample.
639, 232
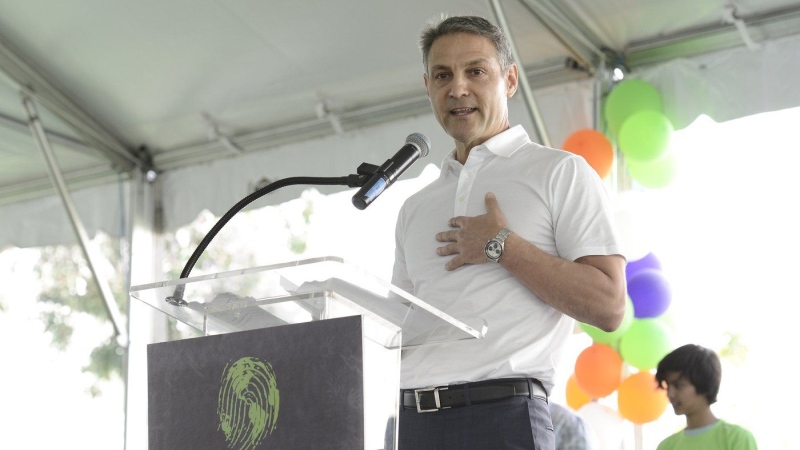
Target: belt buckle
435, 391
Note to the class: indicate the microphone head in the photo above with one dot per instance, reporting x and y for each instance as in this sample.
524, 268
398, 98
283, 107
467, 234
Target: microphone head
420, 141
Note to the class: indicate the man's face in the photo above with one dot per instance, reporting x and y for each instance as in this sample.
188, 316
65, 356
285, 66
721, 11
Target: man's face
682, 395
468, 89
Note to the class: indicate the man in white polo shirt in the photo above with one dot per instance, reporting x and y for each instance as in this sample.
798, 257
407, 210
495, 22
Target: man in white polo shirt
512, 232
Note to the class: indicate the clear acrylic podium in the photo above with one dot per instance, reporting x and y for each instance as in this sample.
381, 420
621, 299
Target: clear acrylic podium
314, 290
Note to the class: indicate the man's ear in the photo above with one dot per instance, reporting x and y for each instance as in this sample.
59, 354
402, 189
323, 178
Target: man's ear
425, 79
512, 80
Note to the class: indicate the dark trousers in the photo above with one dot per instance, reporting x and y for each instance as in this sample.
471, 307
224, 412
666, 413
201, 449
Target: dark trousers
510, 424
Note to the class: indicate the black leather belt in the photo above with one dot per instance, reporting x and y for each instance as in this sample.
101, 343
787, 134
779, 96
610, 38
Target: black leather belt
455, 395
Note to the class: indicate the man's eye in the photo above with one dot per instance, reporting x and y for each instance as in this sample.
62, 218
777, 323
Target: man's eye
478, 71
440, 76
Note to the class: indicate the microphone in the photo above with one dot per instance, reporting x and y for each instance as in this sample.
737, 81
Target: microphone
417, 146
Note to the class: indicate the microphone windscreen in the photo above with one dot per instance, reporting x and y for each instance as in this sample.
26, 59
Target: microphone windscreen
420, 141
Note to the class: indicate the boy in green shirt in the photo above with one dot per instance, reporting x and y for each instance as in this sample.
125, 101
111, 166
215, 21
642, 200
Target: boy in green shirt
691, 374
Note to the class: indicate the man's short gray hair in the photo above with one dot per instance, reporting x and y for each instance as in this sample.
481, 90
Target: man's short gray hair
465, 24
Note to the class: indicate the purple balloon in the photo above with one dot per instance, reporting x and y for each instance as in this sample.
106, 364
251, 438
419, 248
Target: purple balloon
648, 261
650, 293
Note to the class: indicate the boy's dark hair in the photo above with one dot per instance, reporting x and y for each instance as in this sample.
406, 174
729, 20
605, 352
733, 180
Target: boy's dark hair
699, 365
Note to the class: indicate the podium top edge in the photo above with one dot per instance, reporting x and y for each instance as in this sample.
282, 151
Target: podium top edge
233, 273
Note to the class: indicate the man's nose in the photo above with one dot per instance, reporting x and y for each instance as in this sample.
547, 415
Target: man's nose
459, 87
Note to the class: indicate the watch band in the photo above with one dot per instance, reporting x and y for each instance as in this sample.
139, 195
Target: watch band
503, 234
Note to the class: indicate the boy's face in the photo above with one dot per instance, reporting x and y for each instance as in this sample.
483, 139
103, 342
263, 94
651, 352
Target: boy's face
683, 396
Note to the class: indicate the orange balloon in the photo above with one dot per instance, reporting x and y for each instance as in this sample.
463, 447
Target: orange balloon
640, 400
575, 395
595, 148
598, 370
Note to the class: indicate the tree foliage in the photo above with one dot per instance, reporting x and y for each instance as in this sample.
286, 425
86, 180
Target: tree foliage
68, 290
735, 349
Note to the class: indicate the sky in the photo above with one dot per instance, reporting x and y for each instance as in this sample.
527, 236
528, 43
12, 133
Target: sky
725, 231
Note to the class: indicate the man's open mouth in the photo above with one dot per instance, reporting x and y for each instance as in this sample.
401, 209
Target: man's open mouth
461, 111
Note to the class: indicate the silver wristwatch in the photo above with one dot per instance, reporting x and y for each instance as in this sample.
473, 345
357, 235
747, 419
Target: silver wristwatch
494, 248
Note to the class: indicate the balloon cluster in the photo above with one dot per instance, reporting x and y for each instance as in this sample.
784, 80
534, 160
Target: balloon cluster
623, 360
635, 120
634, 115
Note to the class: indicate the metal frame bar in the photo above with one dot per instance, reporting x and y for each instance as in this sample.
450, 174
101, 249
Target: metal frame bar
21, 126
527, 92
35, 85
572, 34
37, 130
769, 25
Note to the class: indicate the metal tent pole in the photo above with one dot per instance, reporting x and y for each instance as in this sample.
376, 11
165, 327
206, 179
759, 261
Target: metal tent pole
37, 130
527, 92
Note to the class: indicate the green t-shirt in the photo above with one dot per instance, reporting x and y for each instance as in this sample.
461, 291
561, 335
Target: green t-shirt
720, 436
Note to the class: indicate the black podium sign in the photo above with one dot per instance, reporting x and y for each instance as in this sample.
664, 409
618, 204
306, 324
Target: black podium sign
295, 386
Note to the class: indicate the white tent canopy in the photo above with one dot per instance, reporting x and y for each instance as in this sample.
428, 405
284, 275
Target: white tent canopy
724, 85
218, 96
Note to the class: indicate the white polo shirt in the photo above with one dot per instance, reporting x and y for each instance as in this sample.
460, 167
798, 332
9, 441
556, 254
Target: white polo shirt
551, 198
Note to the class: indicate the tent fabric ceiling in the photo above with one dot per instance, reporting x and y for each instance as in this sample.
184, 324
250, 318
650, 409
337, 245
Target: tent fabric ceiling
126, 85
217, 185
731, 84
723, 85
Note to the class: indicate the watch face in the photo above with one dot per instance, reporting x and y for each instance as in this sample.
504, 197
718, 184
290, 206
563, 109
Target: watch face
494, 249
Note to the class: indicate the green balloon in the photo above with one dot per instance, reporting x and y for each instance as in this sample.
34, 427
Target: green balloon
611, 338
628, 98
656, 174
645, 343
645, 136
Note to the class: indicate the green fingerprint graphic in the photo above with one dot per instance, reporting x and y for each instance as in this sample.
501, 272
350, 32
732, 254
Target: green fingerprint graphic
248, 403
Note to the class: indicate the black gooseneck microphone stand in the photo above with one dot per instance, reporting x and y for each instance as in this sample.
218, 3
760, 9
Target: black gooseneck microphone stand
364, 172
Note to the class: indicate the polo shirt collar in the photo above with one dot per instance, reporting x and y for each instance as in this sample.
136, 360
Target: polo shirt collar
508, 142
504, 144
